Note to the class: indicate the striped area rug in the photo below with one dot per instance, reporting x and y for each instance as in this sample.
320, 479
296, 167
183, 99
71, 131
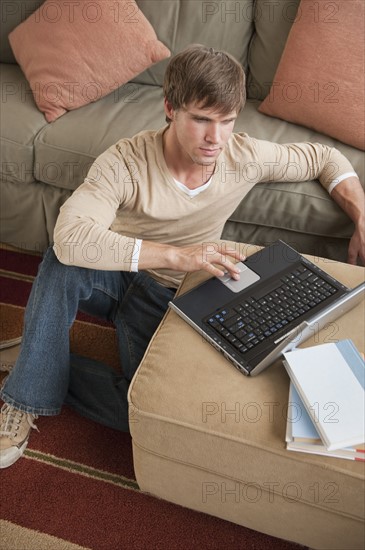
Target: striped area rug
75, 487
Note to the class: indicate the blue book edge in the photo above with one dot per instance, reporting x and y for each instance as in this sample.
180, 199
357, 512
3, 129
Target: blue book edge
303, 426
353, 358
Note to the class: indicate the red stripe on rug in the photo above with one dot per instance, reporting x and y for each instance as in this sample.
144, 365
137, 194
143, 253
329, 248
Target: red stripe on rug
102, 516
73, 437
18, 262
14, 292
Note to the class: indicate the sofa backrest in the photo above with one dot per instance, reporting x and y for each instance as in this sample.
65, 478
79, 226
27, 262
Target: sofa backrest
13, 12
226, 25
254, 31
273, 20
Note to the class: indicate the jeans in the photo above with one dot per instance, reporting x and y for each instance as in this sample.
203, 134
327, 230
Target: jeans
46, 375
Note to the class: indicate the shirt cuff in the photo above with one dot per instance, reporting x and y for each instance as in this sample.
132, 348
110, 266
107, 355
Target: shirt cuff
135, 255
339, 179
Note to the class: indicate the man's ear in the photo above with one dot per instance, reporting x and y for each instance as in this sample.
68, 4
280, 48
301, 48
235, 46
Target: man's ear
169, 110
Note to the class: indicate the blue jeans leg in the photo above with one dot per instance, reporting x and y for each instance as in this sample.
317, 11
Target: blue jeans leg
41, 378
96, 390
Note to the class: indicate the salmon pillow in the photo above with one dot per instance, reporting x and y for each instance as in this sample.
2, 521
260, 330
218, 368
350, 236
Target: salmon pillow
73, 53
319, 82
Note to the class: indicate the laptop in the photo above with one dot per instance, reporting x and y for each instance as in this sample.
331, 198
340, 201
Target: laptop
280, 301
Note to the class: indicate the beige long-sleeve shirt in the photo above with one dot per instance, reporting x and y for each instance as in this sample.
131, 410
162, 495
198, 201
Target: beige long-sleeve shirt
130, 194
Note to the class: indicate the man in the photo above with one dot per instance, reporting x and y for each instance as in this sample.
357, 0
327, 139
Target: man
149, 211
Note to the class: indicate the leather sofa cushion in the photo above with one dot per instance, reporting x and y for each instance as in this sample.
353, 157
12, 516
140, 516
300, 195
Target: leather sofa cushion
20, 123
28, 213
65, 149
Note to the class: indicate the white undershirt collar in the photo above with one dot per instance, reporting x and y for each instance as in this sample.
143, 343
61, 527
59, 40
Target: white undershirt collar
192, 192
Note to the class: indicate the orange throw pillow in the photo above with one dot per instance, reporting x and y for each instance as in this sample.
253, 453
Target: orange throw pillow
73, 53
319, 82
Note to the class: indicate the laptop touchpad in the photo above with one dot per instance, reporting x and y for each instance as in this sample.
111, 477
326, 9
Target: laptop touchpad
247, 278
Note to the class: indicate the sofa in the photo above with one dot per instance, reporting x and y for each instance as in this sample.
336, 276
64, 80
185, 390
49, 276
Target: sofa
42, 163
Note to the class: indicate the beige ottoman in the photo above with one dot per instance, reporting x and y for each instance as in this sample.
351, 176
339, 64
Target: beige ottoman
209, 438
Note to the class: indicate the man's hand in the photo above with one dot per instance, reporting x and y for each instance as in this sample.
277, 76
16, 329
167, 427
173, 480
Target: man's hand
215, 258
210, 257
357, 246
349, 195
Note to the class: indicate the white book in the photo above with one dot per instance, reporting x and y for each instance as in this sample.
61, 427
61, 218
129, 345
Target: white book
302, 436
330, 379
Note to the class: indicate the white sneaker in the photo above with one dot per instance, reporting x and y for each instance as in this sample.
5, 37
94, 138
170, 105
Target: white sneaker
15, 428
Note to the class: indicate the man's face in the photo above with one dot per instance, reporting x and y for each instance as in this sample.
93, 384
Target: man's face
200, 134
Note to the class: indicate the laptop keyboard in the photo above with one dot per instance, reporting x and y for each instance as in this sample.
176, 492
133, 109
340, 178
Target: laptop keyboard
247, 323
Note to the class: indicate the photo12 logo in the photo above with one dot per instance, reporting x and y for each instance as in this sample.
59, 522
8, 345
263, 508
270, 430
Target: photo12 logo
70, 10
252, 492
271, 11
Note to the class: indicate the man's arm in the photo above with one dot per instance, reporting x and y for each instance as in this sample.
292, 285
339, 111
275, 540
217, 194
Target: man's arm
306, 161
350, 196
82, 236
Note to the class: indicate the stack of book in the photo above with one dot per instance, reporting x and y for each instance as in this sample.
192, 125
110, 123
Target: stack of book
326, 408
